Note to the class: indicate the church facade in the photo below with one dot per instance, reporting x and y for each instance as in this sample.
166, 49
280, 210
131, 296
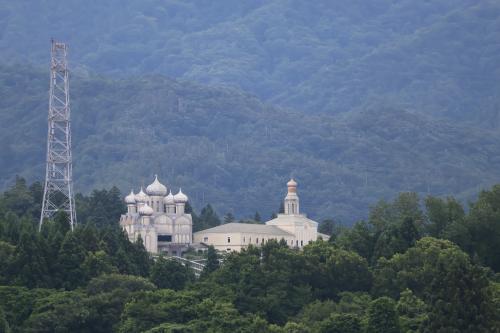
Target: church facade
293, 227
159, 218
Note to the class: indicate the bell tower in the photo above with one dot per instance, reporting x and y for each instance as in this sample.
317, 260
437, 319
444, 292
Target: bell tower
292, 199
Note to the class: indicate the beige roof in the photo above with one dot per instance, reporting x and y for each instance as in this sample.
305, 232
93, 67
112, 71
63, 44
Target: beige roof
297, 219
247, 228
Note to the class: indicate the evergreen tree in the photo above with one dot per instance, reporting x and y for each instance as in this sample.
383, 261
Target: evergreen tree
208, 218
30, 264
18, 199
69, 262
61, 222
212, 261
228, 218
256, 217
409, 233
141, 258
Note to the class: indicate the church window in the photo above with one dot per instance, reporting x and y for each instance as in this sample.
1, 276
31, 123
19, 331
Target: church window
157, 206
229, 239
301, 243
164, 238
256, 241
244, 239
205, 239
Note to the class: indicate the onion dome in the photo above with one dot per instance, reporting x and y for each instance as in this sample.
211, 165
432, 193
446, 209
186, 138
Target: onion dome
141, 197
156, 188
130, 199
169, 199
292, 186
146, 210
180, 197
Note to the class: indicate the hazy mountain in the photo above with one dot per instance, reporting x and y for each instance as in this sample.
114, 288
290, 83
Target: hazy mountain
230, 149
433, 57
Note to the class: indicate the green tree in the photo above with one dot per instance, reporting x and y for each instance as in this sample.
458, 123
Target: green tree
140, 257
4, 325
412, 312
69, 262
208, 218
257, 217
97, 263
383, 317
149, 309
328, 227
212, 261
107, 296
317, 311
484, 227
19, 199
341, 323
444, 277
60, 312
228, 218
29, 264
441, 214
360, 239
333, 270
169, 274
7, 257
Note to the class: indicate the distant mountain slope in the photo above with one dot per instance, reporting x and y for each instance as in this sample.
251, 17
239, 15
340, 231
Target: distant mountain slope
434, 57
228, 148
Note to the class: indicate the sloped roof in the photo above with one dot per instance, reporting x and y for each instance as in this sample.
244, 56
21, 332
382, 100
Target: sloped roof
247, 228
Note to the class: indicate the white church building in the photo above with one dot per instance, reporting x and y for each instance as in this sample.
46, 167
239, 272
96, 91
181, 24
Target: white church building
292, 226
159, 219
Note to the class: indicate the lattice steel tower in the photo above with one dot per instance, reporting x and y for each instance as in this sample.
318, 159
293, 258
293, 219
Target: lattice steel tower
58, 191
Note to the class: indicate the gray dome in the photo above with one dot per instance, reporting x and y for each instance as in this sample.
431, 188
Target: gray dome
130, 199
156, 188
169, 199
141, 197
180, 197
146, 210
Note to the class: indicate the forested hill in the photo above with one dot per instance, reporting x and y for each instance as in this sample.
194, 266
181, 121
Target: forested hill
228, 148
434, 57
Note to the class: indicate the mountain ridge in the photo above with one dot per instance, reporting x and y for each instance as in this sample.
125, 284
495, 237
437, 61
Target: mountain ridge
228, 148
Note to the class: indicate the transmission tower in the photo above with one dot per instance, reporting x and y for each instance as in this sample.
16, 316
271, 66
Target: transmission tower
58, 191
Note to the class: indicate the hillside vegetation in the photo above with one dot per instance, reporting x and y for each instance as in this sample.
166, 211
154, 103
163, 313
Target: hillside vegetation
230, 149
435, 57
406, 269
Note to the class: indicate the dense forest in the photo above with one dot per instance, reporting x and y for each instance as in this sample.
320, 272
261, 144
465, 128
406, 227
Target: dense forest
228, 148
436, 57
415, 265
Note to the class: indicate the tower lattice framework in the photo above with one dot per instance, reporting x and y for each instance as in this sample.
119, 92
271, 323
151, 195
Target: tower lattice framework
58, 191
